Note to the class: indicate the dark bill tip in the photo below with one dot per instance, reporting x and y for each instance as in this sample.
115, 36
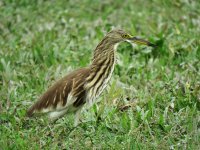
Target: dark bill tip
151, 44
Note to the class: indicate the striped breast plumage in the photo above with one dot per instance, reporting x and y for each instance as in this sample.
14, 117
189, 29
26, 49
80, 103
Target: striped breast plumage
99, 78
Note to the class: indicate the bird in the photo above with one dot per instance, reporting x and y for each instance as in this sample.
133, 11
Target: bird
84, 86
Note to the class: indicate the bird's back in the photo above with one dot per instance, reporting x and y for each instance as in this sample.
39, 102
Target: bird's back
67, 91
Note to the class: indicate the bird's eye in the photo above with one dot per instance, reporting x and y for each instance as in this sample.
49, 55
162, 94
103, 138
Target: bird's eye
125, 36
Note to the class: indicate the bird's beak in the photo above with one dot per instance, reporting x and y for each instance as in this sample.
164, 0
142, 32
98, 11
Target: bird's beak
141, 41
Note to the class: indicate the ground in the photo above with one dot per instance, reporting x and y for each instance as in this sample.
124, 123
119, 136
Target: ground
41, 41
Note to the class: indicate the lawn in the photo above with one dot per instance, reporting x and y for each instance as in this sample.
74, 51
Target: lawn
41, 41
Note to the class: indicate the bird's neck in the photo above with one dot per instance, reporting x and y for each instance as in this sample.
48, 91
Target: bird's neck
99, 59
104, 48
104, 56
101, 70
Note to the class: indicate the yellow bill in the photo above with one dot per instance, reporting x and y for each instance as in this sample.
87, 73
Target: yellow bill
141, 42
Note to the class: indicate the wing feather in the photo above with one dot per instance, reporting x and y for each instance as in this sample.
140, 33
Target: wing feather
57, 95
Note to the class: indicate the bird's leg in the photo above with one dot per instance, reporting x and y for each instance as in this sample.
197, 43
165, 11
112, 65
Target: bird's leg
77, 117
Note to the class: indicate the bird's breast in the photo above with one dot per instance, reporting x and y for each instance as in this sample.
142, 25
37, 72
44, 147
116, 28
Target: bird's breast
95, 90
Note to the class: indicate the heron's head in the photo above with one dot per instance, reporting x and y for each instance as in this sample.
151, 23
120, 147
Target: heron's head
119, 35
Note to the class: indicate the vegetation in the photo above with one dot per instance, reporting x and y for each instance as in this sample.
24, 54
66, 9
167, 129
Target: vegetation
41, 41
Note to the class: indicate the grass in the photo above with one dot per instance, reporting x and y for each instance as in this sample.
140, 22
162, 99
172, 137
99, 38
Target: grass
41, 41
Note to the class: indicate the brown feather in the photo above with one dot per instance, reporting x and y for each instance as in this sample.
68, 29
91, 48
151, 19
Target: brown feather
72, 91
58, 93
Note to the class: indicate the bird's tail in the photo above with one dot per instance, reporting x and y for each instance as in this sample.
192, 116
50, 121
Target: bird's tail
35, 108
30, 111
39, 107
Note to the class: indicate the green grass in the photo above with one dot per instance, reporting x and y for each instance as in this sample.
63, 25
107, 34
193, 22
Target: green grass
41, 41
